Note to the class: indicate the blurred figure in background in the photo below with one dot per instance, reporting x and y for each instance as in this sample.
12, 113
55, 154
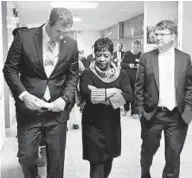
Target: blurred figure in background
83, 59
130, 63
118, 54
91, 56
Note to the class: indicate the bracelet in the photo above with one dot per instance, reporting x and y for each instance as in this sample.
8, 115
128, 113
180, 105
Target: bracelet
105, 95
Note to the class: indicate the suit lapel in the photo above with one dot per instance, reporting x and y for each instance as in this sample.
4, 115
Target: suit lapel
38, 40
177, 68
62, 52
156, 66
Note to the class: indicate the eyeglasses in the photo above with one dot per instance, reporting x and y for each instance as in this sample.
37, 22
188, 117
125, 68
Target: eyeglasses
162, 34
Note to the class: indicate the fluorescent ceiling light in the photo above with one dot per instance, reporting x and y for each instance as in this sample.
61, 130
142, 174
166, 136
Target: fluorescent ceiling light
75, 5
77, 19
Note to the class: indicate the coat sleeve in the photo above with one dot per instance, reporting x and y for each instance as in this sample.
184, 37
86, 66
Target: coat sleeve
139, 86
126, 87
188, 86
72, 77
85, 81
12, 67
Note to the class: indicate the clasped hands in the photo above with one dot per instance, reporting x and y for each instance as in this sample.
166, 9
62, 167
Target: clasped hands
34, 103
112, 91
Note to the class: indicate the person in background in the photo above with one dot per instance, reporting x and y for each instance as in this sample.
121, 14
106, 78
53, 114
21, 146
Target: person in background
130, 63
41, 71
83, 59
118, 54
91, 56
104, 88
163, 99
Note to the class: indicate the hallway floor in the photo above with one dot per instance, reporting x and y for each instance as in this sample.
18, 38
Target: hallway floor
125, 166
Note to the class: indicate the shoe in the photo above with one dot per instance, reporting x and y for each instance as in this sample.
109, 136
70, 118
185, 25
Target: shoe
75, 126
124, 113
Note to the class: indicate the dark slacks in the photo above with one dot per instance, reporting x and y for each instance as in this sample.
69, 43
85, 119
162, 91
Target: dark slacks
126, 106
175, 131
29, 137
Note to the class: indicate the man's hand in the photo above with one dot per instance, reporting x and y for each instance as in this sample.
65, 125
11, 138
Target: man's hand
32, 102
58, 105
111, 91
131, 66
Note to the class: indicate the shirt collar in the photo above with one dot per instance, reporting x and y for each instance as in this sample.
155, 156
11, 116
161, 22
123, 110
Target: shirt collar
170, 51
46, 38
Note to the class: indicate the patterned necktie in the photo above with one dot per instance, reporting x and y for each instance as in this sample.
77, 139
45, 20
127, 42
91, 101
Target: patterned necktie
49, 64
49, 60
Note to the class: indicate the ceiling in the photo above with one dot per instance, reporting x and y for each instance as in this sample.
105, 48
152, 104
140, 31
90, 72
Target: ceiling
107, 13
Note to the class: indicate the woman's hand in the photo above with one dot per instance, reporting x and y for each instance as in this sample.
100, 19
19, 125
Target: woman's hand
111, 91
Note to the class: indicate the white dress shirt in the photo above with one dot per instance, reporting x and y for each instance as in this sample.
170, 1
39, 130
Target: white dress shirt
166, 61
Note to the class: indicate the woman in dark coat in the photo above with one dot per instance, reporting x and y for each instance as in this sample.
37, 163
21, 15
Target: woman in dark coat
105, 88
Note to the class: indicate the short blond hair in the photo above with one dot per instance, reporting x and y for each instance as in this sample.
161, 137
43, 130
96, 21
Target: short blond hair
63, 14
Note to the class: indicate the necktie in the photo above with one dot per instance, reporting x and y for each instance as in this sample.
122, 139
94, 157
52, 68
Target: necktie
49, 64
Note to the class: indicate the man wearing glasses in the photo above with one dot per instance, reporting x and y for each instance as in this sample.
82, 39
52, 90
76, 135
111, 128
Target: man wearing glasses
163, 98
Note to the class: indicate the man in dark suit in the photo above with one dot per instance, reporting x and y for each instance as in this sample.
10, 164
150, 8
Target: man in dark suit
163, 98
42, 72
118, 54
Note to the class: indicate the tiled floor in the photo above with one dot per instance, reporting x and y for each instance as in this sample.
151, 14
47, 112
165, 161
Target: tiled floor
126, 166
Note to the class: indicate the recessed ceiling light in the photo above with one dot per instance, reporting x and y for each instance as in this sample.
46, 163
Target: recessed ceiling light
75, 5
77, 19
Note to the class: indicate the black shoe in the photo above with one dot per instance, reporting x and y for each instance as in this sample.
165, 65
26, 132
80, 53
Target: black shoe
75, 126
41, 162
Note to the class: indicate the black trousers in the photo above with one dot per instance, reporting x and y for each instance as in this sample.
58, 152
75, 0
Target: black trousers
175, 130
126, 106
29, 137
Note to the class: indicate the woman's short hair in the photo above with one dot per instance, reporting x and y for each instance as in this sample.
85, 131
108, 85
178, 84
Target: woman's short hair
167, 24
63, 14
103, 44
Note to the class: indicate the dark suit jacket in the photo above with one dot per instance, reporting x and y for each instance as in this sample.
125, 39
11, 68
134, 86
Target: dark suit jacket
25, 57
147, 84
